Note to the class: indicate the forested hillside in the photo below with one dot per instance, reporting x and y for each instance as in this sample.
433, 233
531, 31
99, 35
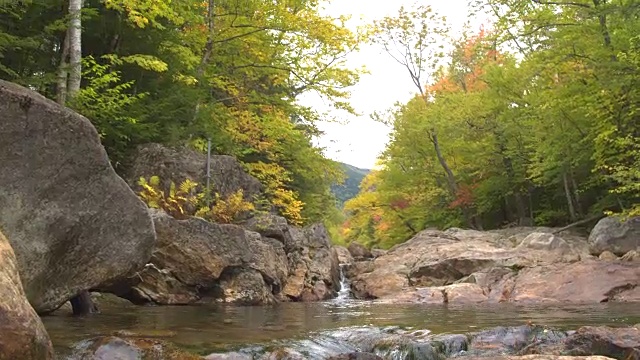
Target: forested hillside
182, 72
353, 176
533, 120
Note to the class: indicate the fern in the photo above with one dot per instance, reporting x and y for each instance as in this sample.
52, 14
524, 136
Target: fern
177, 203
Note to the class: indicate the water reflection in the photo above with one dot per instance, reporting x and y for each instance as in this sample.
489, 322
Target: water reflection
214, 327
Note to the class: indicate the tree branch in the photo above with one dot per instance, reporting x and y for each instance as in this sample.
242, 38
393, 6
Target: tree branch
562, 3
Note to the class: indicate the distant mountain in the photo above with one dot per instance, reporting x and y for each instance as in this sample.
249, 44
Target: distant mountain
350, 188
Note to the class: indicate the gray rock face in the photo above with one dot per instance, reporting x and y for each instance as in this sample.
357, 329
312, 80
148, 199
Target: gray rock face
190, 257
314, 270
344, 256
610, 234
22, 333
463, 266
196, 260
227, 174
359, 252
72, 222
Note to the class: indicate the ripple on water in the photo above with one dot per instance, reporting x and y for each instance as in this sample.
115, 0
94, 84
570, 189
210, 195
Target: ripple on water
207, 328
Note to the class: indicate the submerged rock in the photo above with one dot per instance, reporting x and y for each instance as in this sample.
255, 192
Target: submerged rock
116, 348
22, 334
538, 357
509, 343
618, 343
73, 223
631, 256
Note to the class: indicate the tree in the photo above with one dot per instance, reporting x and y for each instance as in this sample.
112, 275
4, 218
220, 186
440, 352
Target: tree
411, 39
536, 119
179, 73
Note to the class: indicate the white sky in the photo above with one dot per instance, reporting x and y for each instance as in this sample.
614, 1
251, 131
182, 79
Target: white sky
360, 140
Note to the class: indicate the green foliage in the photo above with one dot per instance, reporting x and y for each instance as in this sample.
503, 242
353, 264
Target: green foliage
177, 73
109, 102
537, 121
184, 201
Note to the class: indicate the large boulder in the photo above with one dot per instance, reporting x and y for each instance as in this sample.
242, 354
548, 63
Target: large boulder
178, 164
612, 234
72, 222
197, 260
589, 281
22, 335
124, 348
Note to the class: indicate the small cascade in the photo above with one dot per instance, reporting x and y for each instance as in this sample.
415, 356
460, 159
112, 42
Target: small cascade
345, 286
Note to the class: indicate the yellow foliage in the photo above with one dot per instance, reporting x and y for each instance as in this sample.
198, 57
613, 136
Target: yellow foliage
288, 205
226, 211
275, 178
176, 203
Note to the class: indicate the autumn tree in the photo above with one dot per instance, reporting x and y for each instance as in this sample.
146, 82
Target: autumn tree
180, 73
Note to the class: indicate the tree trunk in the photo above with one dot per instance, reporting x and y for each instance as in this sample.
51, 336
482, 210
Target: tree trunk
63, 71
82, 304
576, 194
567, 192
521, 208
75, 48
451, 179
206, 55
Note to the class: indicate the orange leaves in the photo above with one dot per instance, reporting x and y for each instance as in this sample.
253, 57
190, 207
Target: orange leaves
466, 70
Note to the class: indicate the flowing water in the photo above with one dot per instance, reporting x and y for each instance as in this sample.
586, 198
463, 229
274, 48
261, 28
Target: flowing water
208, 328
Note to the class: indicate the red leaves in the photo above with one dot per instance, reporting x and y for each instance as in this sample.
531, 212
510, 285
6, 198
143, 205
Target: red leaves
399, 204
464, 197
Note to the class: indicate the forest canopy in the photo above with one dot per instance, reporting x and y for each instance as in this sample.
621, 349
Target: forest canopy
180, 72
532, 120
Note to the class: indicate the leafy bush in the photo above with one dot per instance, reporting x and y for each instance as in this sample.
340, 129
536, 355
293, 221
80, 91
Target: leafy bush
226, 210
183, 201
176, 203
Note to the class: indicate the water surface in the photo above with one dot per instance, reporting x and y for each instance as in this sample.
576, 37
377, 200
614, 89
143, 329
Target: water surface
207, 328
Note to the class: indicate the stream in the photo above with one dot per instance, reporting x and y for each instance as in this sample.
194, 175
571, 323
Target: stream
213, 328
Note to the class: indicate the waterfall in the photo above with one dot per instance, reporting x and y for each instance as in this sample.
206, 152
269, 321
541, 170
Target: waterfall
345, 286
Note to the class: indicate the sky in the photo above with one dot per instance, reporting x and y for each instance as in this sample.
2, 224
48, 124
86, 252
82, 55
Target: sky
359, 140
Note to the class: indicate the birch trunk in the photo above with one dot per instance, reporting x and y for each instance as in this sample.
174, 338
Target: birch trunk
63, 72
75, 48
